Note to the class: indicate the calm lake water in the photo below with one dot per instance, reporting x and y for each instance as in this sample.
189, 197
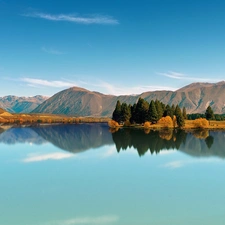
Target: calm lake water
84, 174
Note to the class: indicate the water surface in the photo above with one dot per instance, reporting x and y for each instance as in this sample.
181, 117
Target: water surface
84, 174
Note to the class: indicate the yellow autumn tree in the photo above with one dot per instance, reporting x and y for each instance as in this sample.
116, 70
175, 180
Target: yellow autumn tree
201, 123
113, 124
147, 125
166, 122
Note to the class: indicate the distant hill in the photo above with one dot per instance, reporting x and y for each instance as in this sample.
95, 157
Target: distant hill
76, 101
81, 102
4, 113
14, 104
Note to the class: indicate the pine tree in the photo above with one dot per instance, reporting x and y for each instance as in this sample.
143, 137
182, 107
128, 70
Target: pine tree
117, 112
209, 115
173, 109
159, 109
184, 113
152, 113
179, 117
133, 113
168, 112
141, 111
125, 112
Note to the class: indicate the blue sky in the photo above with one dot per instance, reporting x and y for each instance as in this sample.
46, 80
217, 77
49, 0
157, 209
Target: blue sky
114, 47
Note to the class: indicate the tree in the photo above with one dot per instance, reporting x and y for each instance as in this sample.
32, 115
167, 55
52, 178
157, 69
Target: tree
168, 112
201, 123
141, 111
166, 121
152, 113
184, 113
159, 109
133, 113
179, 117
173, 109
117, 112
125, 112
209, 115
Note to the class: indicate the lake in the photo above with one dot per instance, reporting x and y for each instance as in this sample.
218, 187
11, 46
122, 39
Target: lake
88, 174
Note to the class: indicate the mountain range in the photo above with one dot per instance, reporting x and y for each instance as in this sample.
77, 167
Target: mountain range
14, 104
77, 101
195, 97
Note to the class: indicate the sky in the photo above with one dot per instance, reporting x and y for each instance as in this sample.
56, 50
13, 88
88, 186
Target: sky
113, 47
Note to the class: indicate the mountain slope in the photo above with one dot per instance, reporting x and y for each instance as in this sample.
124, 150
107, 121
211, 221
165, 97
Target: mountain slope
16, 104
77, 101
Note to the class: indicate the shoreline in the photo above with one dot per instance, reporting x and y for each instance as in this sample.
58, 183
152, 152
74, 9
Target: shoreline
47, 119
189, 125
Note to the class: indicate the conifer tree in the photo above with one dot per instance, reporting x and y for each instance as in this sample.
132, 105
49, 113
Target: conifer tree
159, 109
125, 112
141, 111
152, 113
209, 115
184, 113
168, 112
117, 112
133, 113
173, 109
179, 117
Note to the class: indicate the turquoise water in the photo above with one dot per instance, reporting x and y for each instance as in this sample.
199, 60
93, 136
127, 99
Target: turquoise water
84, 174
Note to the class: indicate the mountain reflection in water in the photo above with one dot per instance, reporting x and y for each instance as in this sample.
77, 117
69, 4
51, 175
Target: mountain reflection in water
81, 137
73, 138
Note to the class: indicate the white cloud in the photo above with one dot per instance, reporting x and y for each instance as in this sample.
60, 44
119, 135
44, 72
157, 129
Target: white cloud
101, 86
174, 164
93, 19
40, 82
166, 152
44, 157
123, 90
181, 163
110, 152
181, 76
52, 51
107, 219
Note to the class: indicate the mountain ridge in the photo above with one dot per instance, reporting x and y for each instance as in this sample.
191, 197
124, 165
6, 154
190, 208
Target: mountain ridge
15, 104
195, 97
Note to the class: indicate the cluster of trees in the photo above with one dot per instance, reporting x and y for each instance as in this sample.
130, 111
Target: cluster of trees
143, 111
209, 115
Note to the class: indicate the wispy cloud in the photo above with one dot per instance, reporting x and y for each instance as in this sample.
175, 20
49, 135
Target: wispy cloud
40, 82
97, 85
44, 157
93, 19
166, 152
174, 164
52, 51
110, 152
182, 76
107, 219
181, 163
123, 90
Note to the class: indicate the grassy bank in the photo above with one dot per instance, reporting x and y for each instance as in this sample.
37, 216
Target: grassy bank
6, 118
189, 124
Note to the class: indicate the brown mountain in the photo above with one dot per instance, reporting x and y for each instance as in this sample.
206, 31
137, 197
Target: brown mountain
76, 101
16, 104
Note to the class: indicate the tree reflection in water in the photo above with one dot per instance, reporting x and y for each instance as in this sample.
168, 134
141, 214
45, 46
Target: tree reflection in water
153, 140
193, 142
